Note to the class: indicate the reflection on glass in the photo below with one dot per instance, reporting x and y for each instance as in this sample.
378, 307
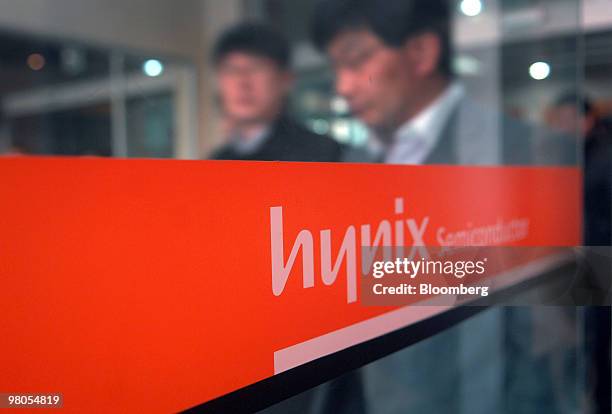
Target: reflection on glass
68, 98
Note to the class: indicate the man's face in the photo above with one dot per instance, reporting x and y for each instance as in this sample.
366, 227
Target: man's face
378, 82
252, 88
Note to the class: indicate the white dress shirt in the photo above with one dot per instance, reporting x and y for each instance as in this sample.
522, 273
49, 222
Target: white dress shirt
414, 141
248, 144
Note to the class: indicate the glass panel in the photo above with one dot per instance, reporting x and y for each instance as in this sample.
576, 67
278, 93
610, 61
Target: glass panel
51, 100
62, 97
529, 86
77, 131
150, 126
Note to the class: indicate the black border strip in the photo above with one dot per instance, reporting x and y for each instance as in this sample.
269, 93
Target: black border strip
279, 387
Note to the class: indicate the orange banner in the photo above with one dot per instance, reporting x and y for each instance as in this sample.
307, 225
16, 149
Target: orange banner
154, 286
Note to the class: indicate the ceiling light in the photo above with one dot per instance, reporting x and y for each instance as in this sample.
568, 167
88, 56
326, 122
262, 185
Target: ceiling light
539, 70
153, 68
471, 8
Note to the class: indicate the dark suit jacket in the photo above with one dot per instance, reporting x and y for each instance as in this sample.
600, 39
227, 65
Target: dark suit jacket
598, 185
288, 141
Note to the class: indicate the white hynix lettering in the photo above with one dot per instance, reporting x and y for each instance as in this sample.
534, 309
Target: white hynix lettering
347, 251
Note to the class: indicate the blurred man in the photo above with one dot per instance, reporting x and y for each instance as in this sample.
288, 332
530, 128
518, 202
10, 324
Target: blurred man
392, 61
392, 64
254, 79
575, 116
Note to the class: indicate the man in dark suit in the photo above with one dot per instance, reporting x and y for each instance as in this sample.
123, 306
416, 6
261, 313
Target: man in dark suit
574, 115
254, 78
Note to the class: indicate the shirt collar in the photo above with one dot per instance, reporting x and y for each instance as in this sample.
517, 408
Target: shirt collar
249, 144
428, 123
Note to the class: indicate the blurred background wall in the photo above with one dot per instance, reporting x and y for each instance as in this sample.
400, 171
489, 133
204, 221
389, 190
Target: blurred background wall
171, 27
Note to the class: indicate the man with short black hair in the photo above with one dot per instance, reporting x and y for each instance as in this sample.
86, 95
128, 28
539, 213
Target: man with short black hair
392, 60
252, 62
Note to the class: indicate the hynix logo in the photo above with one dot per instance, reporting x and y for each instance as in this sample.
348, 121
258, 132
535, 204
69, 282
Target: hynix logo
388, 233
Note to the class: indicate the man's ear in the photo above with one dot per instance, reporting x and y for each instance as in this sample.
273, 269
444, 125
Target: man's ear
424, 52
